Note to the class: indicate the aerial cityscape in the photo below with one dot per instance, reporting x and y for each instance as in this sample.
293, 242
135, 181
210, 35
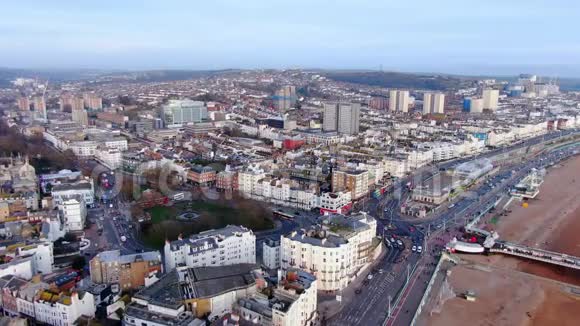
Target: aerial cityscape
172, 164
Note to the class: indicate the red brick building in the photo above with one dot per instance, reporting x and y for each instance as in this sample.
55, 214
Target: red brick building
202, 175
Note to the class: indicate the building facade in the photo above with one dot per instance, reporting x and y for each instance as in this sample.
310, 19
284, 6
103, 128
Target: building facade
227, 246
129, 271
333, 253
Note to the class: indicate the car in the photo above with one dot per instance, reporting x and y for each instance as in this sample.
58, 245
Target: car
419, 249
381, 271
451, 206
392, 240
414, 249
101, 218
370, 277
400, 243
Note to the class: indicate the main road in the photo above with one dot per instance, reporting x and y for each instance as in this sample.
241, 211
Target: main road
372, 305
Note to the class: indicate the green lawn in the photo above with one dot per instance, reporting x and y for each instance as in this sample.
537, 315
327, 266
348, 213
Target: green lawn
212, 215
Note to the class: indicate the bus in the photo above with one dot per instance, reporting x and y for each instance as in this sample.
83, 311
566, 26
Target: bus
283, 215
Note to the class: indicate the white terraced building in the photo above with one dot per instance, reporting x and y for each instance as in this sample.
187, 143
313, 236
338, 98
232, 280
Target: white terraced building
227, 246
334, 252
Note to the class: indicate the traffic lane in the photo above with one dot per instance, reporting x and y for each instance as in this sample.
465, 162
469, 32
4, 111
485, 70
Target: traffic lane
370, 293
376, 312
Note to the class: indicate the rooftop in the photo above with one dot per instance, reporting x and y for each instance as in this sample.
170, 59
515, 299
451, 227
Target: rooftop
197, 282
141, 312
209, 239
115, 256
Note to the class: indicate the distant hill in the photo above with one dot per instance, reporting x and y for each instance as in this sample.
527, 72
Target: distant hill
398, 80
63, 75
167, 75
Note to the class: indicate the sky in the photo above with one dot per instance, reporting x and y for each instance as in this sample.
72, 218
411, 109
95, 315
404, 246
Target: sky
468, 36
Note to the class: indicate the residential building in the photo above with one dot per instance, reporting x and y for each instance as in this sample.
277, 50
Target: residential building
179, 112
379, 103
129, 271
293, 302
271, 253
334, 252
335, 202
42, 254
116, 119
222, 247
330, 118
112, 158
201, 175
184, 293
80, 116
39, 104
66, 102
10, 285
285, 98
476, 105
490, 99
73, 212
20, 266
399, 101
27, 259
77, 104
83, 188
342, 117
248, 179
227, 180
93, 101
24, 200
23, 103
355, 181
63, 308
433, 103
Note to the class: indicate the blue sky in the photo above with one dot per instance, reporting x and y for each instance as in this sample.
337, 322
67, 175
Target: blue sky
455, 36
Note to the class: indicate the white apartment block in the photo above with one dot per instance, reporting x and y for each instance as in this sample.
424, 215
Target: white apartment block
399, 101
281, 192
42, 256
334, 202
490, 99
21, 267
83, 189
73, 213
61, 309
433, 103
118, 143
333, 253
83, 149
109, 157
227, 246
417, 158
271, 253
248, 180
396, 166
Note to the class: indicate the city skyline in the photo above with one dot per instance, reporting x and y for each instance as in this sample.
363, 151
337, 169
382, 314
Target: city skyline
492, 37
